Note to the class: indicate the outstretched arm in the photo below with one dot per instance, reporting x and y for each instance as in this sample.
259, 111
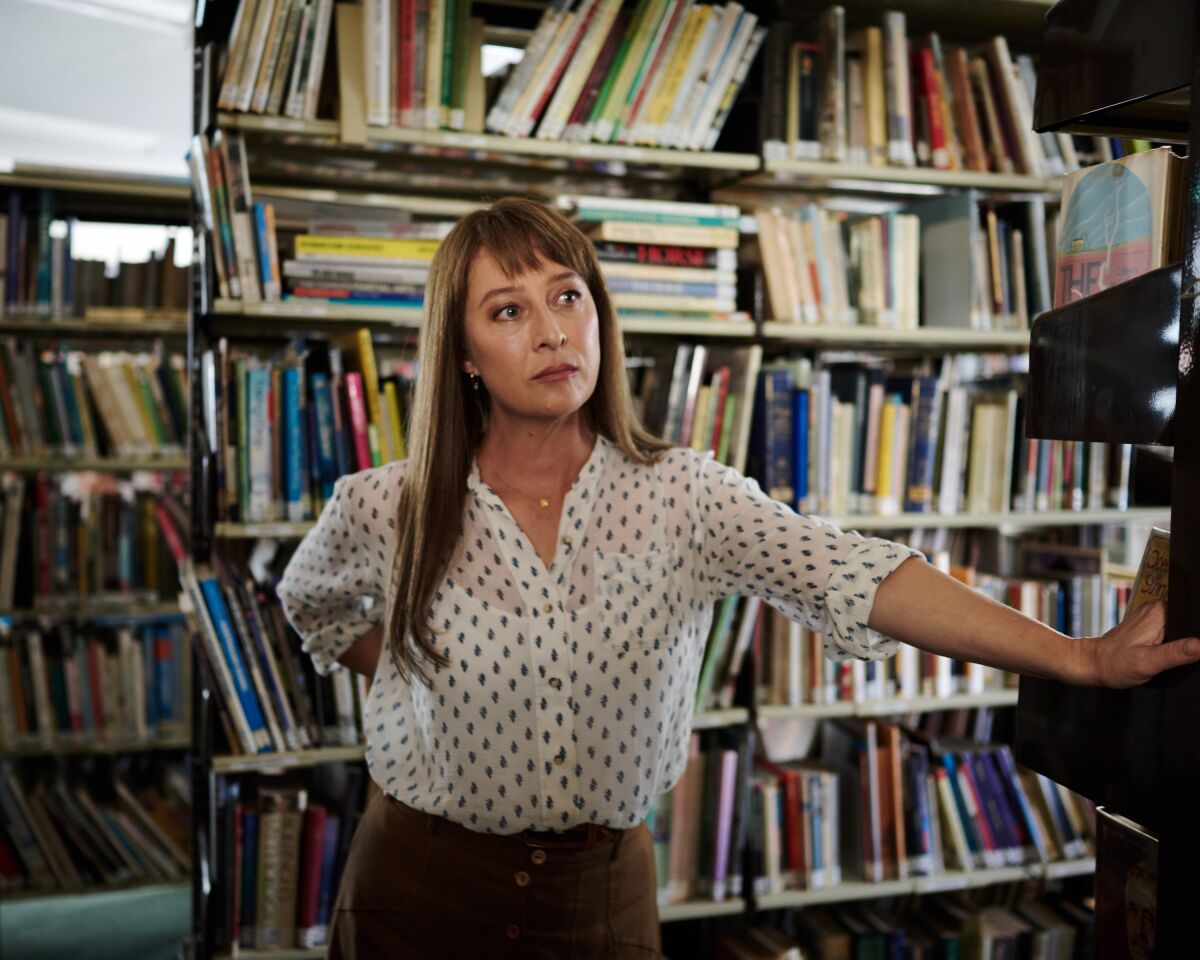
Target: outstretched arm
919, 605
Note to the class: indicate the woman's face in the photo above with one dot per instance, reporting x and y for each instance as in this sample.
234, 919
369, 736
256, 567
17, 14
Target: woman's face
534, 340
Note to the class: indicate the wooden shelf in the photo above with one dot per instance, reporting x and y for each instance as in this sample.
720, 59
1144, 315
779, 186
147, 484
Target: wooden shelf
1050, 518
699, 909
424, 206
847, 176
865, 335
885, 708
113, 608
97, 748
278, 762
951, 880
410, 318
95, 181
711, 719
284, 530
493, 144
75, 327
97, 464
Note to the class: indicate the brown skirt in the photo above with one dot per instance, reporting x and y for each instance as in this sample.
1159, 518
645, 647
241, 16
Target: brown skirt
419, 886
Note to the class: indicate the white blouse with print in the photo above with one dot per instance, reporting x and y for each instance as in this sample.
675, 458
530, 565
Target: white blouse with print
570, 689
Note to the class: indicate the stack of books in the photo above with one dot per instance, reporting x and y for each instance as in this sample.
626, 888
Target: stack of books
66, 836
664, 260
68, 687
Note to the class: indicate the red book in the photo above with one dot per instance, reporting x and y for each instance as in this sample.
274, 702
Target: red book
235, 923
566, 58
794, 860
405, 30
595, 81
933, 97
966, 779
676, 16
720, 384
356, 404
310, 871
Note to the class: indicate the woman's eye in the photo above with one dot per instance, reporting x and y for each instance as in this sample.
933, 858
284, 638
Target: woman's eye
508, 312
571, 296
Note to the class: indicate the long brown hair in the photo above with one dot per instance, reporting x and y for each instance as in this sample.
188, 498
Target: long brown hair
449, 417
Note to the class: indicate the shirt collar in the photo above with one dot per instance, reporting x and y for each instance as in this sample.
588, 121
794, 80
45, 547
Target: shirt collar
591, 469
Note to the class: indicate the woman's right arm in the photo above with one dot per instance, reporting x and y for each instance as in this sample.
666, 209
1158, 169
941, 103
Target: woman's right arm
334, 587
362, 656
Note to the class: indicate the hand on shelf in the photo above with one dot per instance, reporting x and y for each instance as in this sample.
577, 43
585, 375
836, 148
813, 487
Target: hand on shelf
1134, 650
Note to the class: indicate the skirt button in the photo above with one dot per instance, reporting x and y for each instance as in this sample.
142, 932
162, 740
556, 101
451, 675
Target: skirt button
513, 931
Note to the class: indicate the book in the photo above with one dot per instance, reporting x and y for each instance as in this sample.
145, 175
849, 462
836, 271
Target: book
1150, 584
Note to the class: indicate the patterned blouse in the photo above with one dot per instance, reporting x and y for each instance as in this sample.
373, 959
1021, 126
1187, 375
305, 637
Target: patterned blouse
570, 689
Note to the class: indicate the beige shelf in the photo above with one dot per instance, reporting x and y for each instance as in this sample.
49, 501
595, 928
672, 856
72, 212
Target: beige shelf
284, 530
95, 181
884, 708
96, 607
847, 175
711, 719
698, 909
277, 762
865, 335
951, 880
95, 748
89, 891
97, 464
426, 206
491, 143
1050, 518
411, 318
45, 327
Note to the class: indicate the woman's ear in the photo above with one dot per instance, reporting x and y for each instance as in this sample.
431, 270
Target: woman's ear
469, 368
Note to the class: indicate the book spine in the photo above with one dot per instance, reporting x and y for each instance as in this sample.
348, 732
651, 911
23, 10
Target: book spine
224, 630
356, 405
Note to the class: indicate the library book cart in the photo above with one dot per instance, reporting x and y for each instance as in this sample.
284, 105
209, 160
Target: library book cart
1122, 366
340, 161
66, 600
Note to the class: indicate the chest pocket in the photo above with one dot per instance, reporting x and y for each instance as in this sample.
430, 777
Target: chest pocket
632, 590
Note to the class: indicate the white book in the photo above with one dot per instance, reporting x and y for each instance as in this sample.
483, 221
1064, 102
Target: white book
498, 115
721, 57
638, 129
583, 203
522, 117
255, 51
270, 59
293, 104
554, 120
667, 134
757, 36
377, 61
243, 23
316, 69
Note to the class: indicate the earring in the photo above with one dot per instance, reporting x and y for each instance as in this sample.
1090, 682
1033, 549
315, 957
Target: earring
475, 382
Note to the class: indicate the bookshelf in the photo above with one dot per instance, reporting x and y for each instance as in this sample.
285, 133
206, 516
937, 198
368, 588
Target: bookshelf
130, 725
1131, 750
290, 144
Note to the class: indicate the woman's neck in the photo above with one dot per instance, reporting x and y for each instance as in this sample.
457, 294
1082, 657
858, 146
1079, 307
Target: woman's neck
546, 455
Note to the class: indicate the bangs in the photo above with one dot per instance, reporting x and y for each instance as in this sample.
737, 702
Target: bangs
518, 237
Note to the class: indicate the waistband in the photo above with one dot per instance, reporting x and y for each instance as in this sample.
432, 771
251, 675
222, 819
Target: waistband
585, 836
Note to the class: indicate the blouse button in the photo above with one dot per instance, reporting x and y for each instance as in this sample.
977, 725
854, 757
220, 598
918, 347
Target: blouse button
548, 608
521, 878
559, 760
513, 931
538, 857
555, 683
566, 541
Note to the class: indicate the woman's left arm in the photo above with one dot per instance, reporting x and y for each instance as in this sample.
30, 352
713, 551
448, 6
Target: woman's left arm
919, 605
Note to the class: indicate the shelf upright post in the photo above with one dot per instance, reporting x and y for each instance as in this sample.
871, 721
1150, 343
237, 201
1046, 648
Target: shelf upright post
1179, 765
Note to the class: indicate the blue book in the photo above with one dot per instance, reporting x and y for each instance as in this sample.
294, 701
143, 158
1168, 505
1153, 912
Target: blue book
322, 406
12, 256
774, 435
328, 883
264, 251
1013, 783
293, 446
150, 677
365, 298
61, 379
247, 699
669, 288
164, 673
814, 841
970, 830
923, 441
45, 271
993, 808
249, 876
800, 401
1019, 838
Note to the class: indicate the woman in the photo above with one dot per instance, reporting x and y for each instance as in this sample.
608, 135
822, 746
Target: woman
540, 576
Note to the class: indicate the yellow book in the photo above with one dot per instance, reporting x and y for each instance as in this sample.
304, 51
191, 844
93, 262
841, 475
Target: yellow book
885, 497
135, 391
620, 231
875, 96
435, 115
699, 440
1151, 581
650, 128
619, 93
311, 246
392, 399
358, 355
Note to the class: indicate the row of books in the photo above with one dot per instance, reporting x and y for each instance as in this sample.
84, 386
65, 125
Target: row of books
878, 96
59, 833
69, 537
72, 686
275, 61
282, 429
665, 75
280, 859
881, 803
1048, 928
84, 403
866, 438
270, 697
40, 278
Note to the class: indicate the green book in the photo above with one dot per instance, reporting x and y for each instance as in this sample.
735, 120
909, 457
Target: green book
243, 449
714, 651
618, 63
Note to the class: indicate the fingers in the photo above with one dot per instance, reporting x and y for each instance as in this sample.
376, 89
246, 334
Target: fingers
1176, 653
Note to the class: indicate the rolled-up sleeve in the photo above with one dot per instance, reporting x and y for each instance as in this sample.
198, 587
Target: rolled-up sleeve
332, 591
808, 569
